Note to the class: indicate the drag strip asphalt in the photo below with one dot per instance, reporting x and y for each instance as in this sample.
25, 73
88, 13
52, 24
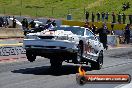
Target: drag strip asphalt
23, 74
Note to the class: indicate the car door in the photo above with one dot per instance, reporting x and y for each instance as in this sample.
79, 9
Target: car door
91, 46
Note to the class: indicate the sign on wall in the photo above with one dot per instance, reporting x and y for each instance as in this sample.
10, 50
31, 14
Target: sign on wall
13, 50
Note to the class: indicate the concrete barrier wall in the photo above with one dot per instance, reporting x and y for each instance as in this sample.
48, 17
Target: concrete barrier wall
121, 32
12, 50
11, 32
112, 40
98, 24
12, 53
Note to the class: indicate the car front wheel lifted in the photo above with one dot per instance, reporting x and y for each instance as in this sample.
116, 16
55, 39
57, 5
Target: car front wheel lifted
98, 65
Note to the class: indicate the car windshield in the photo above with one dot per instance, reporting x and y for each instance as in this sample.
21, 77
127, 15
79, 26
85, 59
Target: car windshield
74, 30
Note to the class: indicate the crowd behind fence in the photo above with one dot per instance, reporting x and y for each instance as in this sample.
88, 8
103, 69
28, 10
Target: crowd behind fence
104, 17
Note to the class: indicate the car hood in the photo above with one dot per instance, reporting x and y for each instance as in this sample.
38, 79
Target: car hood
56, 35
53, 33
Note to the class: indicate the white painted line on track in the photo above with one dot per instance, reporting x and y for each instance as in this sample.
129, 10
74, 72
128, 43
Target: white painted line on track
124, 85
19, 44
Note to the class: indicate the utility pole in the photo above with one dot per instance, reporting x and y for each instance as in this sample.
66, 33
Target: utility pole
4, 7
4, 10
83, 3
21, 8
52, 10
36, 12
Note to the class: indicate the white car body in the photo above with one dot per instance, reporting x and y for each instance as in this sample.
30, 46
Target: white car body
59, 41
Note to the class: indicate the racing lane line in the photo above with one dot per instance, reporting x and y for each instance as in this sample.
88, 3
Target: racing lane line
117, 65
129, 85
13, 59
8, 60
4, 45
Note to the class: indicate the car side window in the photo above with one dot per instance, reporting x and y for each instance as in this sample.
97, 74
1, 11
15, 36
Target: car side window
90, 35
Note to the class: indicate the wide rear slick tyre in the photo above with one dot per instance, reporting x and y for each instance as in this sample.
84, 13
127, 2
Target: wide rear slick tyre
55, 63
98, 65
30, 56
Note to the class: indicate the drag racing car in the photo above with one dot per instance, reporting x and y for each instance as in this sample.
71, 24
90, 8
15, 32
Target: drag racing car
72, 44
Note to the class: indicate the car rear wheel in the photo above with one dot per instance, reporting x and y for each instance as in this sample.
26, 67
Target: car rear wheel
98, 65
55, 63
31, 57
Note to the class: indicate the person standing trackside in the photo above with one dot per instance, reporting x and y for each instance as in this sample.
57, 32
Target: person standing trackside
48, 21
103, 31
106, 16
93, 16
14, 22
112, 27
127, 34
87, 15
24, 24
124, 18
32, 24
93, 28
113, 17
87, 25
103, 16
119, 18
53, 23
130, 19
98, 17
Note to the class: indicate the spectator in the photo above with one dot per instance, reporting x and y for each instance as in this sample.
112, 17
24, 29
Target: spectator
112, 27
103, 16
106, 16
24, 24
1, 22
48, 21
113, 17
124, 18
26, 21
103, 31
98, 16
14, 22
93, 16
32, 24
130, 19
53, 23
119, 18
87, 25
127, 34
93, 28
49, 26
87, 15
6, 22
